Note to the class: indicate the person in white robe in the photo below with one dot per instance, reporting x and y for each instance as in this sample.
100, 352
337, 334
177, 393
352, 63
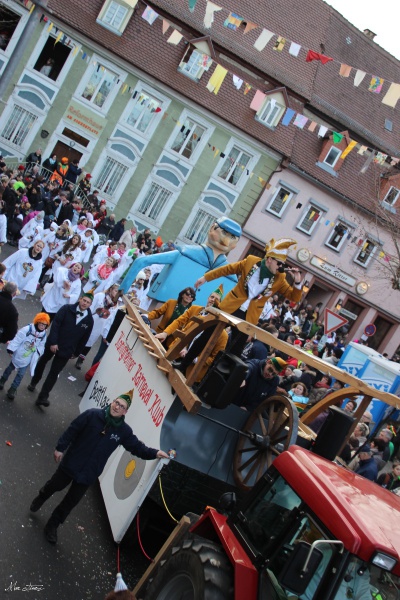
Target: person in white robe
31, 231
65, 289
24, 268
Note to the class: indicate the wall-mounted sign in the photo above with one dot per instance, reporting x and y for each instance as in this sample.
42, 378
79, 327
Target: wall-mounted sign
332, 270
348, 314
85, 119
303, 255
361, 288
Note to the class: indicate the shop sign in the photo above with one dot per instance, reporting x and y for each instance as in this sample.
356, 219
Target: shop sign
348, 314
85, 119
332, 270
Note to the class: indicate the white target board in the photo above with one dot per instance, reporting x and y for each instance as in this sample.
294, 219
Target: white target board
126, 479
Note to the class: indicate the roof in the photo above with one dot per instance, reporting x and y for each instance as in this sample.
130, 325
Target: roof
319, 27
355, 510
145, 48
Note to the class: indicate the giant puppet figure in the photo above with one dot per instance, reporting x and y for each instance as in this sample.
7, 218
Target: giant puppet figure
188, 263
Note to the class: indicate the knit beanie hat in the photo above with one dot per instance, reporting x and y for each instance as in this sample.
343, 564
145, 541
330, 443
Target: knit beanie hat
127, 396
41, 317
278, 363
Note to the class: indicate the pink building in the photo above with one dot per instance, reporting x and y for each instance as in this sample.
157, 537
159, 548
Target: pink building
340, 247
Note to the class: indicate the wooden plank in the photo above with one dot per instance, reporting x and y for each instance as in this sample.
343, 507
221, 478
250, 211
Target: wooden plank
313, 361
177, 534
205, 354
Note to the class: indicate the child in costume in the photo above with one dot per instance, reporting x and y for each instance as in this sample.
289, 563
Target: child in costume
25, 350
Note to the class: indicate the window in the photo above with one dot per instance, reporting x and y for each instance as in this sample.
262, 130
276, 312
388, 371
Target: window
194, 63
52, 58
365, 254
337, 236
110, 176
270, 113
154, 201
392, 196
99, 86
310, 219
188, 138
280, 201
115, 15
18, 125
332, 157
9, 21
199, 227
234, 165
143, 112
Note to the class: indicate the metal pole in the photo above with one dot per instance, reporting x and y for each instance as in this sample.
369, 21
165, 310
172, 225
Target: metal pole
16, 56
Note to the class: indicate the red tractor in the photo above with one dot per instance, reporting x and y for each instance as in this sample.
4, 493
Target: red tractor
309, 530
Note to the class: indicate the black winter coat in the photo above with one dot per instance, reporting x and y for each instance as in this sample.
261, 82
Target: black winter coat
73, 173
117, 232
8, 318
66, 212
70, 337
89, 444
257, 388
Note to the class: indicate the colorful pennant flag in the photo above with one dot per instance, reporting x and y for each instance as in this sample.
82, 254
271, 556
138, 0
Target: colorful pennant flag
376, 84
250, 26
237, 82
258, 100
216, 79
288, 116
165, 26
192, 4
337, 137
263, 39
294, 49
358, 77
233, 21
344, 70
247, 88
348, 149
300, 121
149, 15
211, 8
175, 38
311, 55
392, 95
279, 44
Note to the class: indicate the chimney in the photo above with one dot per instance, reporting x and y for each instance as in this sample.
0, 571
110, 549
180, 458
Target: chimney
370, 34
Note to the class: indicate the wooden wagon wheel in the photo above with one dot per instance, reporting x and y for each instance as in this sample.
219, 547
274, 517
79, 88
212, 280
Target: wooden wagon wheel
269, 430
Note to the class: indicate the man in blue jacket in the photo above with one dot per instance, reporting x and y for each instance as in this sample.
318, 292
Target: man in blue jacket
82, 452
261, 381
69, 333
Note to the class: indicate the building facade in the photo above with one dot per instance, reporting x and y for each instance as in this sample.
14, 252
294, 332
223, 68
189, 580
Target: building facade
129, 89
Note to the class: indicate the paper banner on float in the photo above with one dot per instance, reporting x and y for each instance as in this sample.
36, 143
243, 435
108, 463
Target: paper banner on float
126, 479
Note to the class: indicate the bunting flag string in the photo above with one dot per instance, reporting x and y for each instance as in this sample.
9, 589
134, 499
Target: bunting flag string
290, 117
233, 22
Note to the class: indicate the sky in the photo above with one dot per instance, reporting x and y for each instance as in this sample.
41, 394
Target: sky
380, 17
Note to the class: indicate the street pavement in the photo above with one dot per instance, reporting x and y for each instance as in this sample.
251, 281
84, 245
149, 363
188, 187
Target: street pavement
83, 565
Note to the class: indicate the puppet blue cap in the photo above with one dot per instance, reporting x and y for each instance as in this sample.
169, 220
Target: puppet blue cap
229, 226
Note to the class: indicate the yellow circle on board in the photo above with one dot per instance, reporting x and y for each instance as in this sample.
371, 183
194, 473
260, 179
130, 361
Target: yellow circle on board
130, 468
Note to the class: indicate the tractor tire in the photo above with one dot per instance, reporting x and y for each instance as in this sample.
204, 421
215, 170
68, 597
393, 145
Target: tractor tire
195, 570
